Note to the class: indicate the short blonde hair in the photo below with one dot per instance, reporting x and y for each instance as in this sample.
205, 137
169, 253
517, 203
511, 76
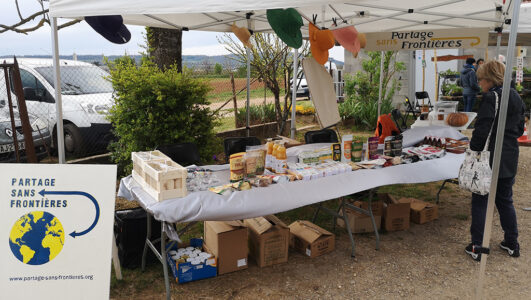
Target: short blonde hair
492, 71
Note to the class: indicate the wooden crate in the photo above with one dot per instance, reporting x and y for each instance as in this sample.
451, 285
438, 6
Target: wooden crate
160, 177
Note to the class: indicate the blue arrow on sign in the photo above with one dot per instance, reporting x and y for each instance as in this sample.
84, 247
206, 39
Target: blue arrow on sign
74, 233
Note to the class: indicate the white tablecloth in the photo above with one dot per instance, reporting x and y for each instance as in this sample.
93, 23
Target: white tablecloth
208, 206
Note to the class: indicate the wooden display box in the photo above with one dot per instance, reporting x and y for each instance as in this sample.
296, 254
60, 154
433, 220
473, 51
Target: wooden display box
160, 176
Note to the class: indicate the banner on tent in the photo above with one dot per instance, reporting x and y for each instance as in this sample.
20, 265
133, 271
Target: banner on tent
428, 39
56, 227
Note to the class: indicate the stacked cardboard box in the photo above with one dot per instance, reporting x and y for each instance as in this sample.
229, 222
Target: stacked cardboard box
362, 223
268, 240
228, 242
396, 213
310, 239
421, 212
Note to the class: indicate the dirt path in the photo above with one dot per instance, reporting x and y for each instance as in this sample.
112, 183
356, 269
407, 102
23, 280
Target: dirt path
241, 103
425, 262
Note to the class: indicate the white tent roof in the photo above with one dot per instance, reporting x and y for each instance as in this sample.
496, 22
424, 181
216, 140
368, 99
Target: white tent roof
215, 15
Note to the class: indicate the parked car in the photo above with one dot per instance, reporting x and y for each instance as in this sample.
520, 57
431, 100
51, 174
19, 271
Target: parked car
302, 87
86, 96
7, 145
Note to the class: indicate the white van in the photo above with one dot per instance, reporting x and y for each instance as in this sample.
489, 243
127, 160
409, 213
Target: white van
86, 95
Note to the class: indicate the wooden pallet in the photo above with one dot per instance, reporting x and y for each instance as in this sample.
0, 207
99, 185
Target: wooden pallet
160, 176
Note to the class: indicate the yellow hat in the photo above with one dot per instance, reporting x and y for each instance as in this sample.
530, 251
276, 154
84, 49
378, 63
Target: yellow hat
320, 42
243, 34
363, 39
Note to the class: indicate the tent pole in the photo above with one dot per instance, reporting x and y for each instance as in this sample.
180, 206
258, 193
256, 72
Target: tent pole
248, 90
436, 76
58, 100
502, 117
382, 57
294, 92
498, 42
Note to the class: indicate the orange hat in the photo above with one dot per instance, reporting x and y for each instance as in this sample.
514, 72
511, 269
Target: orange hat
363, 39
320, 42
243, 34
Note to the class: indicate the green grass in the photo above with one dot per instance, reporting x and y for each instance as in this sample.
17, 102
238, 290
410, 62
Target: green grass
225, 124
461, 217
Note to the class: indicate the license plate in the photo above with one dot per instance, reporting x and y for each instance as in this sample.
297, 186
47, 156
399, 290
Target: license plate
6, 148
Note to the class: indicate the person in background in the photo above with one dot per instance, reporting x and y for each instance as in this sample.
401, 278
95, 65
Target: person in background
469, 82
491, 80
479, 62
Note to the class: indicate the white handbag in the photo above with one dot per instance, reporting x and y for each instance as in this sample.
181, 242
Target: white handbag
475, 173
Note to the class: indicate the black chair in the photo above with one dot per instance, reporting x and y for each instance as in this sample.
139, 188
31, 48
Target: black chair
184, 154
233, 145
421, 96
398, 118
411, 109
321, 136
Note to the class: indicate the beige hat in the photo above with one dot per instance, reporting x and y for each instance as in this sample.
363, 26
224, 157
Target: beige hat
243, 34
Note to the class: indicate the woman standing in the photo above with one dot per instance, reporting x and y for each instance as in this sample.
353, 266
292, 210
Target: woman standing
490, 77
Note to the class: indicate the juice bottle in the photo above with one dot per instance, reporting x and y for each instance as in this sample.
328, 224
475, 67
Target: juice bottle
269, 147
282, 161
274, 157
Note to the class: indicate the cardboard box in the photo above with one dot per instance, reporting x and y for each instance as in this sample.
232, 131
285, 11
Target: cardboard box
377, 206
186, 272
396, 214
422, 212
310, 239
360, 223
228, 242
268, 240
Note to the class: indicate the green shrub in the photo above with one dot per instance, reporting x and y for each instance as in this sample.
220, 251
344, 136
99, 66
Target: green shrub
362, 90
154, 107
258, 114
218, 68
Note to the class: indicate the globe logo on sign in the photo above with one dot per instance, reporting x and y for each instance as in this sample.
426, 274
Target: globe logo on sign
36, 238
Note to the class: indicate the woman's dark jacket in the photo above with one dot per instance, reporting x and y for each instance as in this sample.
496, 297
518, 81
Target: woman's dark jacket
514, 128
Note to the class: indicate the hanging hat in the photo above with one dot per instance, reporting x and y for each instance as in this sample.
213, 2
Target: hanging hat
110, 27
286, 23
348, 38
243, 34
320, 41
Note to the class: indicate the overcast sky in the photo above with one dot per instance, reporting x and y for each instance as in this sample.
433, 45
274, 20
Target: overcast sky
82, 39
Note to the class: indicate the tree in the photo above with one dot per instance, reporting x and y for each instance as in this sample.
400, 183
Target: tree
165, 47
218, 68
41, 15
272, 61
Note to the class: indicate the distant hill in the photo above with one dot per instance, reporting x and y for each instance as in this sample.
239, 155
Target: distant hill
190, 61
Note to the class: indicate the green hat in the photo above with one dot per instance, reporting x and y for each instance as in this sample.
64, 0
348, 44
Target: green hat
286, 23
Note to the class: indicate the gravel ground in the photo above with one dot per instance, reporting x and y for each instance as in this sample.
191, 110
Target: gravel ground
426, 261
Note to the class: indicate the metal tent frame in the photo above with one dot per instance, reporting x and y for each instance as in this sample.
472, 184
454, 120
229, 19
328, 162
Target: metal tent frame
420, 17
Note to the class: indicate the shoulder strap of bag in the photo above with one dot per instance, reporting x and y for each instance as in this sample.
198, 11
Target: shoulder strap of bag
493, 121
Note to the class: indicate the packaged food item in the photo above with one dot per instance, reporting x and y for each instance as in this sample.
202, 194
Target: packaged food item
372, 143
336, 151
357, 149
396, 146
254, 160
346, 148
237, 166
388, 150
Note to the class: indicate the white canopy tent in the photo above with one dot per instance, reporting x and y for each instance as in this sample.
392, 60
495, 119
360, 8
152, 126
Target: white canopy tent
366, 15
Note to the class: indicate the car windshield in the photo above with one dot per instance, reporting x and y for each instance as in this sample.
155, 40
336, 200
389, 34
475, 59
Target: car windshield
79, 80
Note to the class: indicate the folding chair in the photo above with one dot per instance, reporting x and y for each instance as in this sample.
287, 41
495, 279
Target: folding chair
421, 96
398, 118
321, 136
233, 145
184, 154
411, 109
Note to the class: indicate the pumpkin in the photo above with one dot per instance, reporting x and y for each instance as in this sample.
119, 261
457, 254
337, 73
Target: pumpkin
457, 119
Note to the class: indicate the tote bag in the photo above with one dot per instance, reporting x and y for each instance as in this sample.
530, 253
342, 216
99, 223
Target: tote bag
475, 173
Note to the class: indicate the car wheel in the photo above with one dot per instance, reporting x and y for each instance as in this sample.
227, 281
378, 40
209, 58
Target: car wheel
73, 141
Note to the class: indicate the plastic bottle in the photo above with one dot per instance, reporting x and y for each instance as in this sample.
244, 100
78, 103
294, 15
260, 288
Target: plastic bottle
274, 157
282, 161
269, 147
